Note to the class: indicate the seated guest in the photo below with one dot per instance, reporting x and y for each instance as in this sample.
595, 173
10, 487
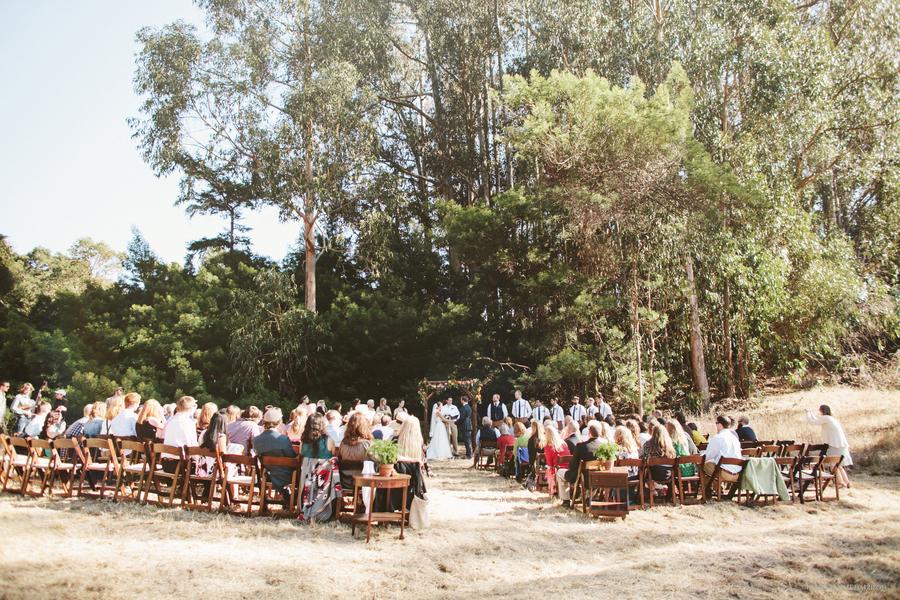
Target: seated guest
94, 425
180, 431
584, 451
409, 462
36, 424
168, 410
244, 430
696, 436
487, 433
53, 426
644, 431
628, 447
150, 424
570, 436
203, 419
354, 447
522, 435
215, 440
724, 443
384, 431
294, 429
334, 427
554, 448
536, 442
506, 427
272, 443
316, 442
659, 446
232, 414
744, 432
506, 440
124, 423
76, 429
114, 405
683, 446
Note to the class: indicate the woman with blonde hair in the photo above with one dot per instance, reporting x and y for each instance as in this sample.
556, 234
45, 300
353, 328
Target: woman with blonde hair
681, 443
206, 413
659, 446
114, 406
150, 424
410, 441
23, 407
410, 459
94, 425
554, 448
294, 429
536, 442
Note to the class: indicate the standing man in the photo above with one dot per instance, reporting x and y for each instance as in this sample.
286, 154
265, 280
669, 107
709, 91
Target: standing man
590, 408
4, 387
451, 414
540, 412
496, 411
605, 409
556, 413
521, 408
577, 411
465, 425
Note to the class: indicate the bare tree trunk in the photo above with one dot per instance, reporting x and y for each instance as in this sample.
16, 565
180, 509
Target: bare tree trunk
698, 363
636, 334
726, 341
309, 243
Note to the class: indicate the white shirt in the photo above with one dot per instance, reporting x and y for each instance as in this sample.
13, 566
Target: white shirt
450, 412
725, 443
22, 404
123, 424
521, 409
386, 432
180, 431
540, 413
591, 410
832, 432
605, 410
336, 433
577, 412
557, 414
35, 425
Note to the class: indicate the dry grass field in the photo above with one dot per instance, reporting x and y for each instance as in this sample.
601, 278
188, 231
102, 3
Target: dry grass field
489, 538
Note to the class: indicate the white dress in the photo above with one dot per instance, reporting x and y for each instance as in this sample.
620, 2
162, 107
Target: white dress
439, 444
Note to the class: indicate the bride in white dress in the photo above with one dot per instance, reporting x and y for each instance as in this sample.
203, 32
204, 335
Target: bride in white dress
439, 444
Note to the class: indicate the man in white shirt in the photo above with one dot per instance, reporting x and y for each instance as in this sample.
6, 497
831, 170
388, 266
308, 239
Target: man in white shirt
335, 428
123, 423
521, 409
577, 411
590, 408
36, 424
724, 444
496, 411
387, 432
604, 409
556, 412
451, 414
180, 431
540, 413
4, 387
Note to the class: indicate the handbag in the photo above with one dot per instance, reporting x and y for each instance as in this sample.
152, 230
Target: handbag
418, 513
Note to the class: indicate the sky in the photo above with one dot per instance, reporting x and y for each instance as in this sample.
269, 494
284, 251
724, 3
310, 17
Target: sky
69, 167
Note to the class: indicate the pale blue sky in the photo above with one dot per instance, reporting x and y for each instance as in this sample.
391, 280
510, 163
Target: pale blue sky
68, 165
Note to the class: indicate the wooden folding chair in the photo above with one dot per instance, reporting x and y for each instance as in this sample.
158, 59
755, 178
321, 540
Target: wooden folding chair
719, 478
817, 450
788, 467
40, 464
100, 460
825, 474
346, 507
749, 445
636, 484
268, 495
695, 484
609, 495
238, 473
761, 443
580, 489
792, 450
199, 490
805, 476
486, 451
67, 459
162, 482
669, 485
784, 442
754, 452
19, 453
770, 450
540, 473
134, 463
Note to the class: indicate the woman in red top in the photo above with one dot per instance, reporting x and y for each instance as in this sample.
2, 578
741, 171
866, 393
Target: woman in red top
553, 450
506, 441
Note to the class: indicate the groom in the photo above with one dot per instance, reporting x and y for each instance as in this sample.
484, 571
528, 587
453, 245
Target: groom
450, 415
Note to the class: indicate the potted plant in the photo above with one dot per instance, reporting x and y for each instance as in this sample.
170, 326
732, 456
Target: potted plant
385, 453
607, 453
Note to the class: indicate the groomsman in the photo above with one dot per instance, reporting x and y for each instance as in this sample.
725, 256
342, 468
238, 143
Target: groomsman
556, 412
605, 409
590, 408
540, 412
496, 411
465, 425
577, 411
521, 409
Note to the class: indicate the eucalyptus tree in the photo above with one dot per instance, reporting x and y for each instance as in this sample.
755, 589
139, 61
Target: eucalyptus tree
273, 98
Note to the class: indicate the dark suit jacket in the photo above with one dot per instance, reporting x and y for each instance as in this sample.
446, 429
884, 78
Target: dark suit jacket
746, 434
583, 451
272, 443
465, 418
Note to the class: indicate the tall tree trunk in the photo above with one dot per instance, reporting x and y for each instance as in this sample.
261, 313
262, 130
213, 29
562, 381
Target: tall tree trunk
698, 363
636, 334
726, 341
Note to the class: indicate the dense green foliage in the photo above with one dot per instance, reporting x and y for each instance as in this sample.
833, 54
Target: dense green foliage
649, 199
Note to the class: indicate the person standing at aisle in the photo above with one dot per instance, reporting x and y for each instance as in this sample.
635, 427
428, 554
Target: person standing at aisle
521, 409
497, 411
556, 413
465, 425
577, 411
451, 415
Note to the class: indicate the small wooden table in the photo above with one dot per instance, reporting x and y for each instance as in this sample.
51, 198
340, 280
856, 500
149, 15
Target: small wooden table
377, 482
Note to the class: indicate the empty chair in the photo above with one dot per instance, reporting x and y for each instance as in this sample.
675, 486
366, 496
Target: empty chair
770, 450
134, 470
609, 495
18, 454
751, 452
67, 463
39, 466
238, 483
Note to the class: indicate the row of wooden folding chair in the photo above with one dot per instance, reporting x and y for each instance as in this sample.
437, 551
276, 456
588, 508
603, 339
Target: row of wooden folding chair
31, 458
